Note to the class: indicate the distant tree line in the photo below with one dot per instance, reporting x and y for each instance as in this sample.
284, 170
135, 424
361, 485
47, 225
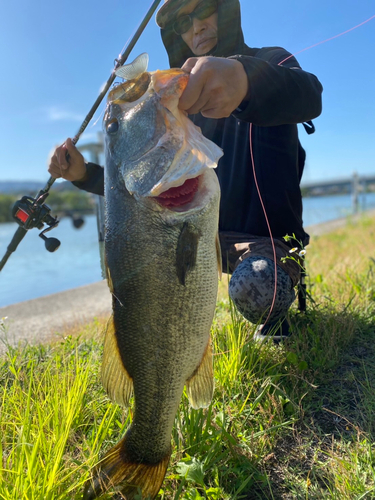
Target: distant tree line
60, 202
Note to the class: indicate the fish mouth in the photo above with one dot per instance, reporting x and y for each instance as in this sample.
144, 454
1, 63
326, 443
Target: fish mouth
177, 197
193, 195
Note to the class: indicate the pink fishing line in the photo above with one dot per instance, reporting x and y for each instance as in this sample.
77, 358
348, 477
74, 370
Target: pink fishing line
329, 39
253, 163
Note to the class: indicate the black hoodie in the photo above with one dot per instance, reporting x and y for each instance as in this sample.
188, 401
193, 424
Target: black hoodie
279, 98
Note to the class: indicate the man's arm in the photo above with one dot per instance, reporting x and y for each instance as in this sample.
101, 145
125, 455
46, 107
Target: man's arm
279, 94
86, 176
94, 180
258, 90
73, 169
216, 86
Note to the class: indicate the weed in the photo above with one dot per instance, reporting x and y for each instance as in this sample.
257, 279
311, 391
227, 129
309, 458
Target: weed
295, 421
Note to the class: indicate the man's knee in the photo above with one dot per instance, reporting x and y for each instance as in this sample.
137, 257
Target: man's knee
252, 288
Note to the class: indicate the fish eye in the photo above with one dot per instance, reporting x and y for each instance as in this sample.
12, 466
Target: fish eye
112, 127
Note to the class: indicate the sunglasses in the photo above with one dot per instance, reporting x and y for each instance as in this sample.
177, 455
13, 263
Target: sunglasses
202, 11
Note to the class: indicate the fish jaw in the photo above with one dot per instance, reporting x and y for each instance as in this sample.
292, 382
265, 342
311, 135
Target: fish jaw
179, 196
203, 191
142, 138
196, 153
169, 85
157, 147
182, 153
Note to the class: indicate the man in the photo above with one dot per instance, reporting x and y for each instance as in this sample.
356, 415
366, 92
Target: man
248, 101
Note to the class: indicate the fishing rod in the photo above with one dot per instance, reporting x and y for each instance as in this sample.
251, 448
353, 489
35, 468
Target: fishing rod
31, 212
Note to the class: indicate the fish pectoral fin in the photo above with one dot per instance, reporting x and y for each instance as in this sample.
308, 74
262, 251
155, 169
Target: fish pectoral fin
186, 251
218, 256
129, 477
115, 379
200, 386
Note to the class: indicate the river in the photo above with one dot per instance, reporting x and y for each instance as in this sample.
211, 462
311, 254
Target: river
32, 272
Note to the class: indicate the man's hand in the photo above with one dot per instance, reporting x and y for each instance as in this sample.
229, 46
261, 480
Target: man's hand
216, 86
74, 170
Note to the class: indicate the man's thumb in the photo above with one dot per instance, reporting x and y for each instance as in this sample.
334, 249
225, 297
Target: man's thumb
72, 150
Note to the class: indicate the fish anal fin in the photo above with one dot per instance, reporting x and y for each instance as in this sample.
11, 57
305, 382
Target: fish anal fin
108, 275
115, 379
200, 386
117, 470
218, 256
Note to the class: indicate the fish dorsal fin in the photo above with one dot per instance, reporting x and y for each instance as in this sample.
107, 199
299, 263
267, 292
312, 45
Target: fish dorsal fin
135, 68
115, 379
200, 386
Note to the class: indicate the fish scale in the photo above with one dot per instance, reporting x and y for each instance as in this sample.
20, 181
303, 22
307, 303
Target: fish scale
162, 267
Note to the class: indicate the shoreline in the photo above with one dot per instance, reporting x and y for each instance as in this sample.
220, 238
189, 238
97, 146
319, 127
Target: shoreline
331, 225
45, 318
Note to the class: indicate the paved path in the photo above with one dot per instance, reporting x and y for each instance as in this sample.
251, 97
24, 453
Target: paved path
45, 318
39, 320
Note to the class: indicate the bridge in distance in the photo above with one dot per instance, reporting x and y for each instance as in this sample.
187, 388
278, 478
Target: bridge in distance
346, 185
342, 185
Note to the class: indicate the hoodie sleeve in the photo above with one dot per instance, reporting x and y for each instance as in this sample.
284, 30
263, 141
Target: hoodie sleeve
95, 179
280, 92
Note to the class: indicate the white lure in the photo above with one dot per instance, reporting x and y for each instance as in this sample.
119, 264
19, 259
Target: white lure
135, 68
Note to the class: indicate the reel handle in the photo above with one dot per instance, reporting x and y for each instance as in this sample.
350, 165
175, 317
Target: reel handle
51, 244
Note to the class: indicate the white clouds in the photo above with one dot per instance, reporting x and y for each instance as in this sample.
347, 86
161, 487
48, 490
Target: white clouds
55, 114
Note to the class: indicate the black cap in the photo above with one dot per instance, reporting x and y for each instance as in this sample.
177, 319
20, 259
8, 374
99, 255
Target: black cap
169, 11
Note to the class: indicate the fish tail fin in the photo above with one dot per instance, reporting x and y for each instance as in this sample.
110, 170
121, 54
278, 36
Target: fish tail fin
117, 470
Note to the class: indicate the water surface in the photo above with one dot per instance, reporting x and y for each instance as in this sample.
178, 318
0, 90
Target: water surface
33, 272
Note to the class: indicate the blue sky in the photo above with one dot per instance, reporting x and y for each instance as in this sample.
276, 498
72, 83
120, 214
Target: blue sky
56, 55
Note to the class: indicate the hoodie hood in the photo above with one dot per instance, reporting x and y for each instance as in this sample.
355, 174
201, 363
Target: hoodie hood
230, 36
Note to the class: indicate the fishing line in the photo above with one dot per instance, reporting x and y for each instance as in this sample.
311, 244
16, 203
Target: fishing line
267, 222
95, 122
328, 39
253, 163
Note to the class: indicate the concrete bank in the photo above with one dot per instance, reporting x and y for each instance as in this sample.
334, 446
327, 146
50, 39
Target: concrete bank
46, 318
332, 225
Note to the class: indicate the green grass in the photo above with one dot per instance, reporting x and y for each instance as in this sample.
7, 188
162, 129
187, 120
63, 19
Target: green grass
290, 422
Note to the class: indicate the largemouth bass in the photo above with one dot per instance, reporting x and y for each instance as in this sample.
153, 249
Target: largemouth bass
162, 205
